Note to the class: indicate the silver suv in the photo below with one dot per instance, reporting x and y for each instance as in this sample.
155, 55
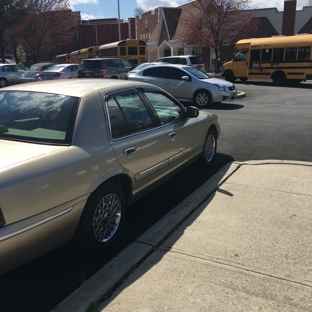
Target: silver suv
114, 68
191, 60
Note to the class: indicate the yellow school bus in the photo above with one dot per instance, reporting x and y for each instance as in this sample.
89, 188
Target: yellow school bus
133, 50
90, 52
62, 58
280, 58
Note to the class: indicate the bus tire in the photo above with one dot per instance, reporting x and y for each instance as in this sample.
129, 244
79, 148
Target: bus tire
279, 79
229, 76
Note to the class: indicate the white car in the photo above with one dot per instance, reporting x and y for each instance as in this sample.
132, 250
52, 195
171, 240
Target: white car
60, 71
187, 84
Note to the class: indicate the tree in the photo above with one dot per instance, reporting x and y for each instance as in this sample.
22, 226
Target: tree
215, 23
138, 11
49, 25
11, 12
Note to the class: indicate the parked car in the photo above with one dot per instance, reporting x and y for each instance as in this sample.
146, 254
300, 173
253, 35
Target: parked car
187, 84
114, 68
75, 153
60, 71
10, 74
191, 60
33, 73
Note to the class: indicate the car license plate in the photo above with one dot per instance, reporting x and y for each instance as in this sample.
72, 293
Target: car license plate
234, 96
87, 74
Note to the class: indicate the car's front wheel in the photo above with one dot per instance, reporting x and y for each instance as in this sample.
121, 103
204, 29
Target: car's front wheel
210, 147
102, 219
202, 98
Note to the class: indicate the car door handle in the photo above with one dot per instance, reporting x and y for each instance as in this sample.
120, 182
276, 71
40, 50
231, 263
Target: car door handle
128, 151
172, 136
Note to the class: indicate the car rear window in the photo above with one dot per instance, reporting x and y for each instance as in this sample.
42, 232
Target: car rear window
91, 64
196, 60
37, 117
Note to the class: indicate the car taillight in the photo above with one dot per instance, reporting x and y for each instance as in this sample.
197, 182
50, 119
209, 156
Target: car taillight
58, 75
102, 72
37, 76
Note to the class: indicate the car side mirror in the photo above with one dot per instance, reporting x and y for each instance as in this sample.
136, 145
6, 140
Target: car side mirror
185, 78
192, 111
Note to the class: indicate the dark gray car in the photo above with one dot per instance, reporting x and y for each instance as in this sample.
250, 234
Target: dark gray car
114, 68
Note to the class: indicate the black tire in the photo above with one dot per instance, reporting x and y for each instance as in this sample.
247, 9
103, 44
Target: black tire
102, 218
202, 98
279, 79
229, 76
3, 83
210, 148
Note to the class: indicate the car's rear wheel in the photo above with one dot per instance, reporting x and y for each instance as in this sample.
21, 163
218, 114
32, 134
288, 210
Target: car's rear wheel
103, 217
3, 83
210, 148
202, 98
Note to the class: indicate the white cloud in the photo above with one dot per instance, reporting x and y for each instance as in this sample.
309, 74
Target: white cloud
73, 2
148, 5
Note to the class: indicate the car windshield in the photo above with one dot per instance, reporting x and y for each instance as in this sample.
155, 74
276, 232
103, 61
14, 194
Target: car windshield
37, 117
196, 73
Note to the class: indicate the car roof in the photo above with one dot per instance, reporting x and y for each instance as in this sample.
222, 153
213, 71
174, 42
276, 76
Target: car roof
78, 87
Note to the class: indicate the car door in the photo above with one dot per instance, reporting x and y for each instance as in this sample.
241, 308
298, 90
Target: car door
182, 132
176, 85
140, 145
72, 71
153, 75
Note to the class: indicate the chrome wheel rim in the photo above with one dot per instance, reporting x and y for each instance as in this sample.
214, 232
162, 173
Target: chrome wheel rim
209, 147
106, 218
202, 99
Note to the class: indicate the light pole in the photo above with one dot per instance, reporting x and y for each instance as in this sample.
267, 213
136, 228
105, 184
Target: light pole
119, 21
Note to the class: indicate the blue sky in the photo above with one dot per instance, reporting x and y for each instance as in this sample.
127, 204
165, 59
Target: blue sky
91, 9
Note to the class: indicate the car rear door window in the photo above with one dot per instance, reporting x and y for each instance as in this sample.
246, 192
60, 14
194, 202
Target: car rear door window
154, 72
128, 114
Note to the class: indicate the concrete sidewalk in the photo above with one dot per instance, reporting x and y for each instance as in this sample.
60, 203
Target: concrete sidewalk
241, 242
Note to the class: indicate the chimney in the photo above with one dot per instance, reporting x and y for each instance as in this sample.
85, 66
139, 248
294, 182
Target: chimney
289, 17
